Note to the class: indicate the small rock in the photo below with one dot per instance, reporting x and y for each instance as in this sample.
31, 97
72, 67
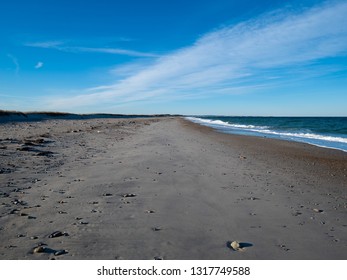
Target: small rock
297, 213
45, 153
57, 234
157, 228
317, 210
60, 252
235, 245
39, 249
107, 194
238, 246
150, 211
13, 211
129, 195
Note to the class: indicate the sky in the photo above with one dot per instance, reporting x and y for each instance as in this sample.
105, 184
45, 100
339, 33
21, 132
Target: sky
196, 57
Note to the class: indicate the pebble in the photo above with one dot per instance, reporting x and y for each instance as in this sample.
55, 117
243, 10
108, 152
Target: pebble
317, 210
39, 249
129, 195
57, 234
60, 252
235, 245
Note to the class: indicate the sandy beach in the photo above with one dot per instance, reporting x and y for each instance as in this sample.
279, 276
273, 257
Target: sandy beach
165, 188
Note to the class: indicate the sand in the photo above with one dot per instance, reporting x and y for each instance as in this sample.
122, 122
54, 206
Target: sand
165, 188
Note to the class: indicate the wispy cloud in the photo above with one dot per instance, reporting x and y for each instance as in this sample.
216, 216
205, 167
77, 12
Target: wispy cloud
15, 62
110, 51
46, 44
61, 46
232, 59
39, 65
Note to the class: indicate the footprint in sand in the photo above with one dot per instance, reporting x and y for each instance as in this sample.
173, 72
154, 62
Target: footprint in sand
283, 247
128, 179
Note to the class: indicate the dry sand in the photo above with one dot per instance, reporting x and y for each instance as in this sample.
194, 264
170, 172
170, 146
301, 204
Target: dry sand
166, 189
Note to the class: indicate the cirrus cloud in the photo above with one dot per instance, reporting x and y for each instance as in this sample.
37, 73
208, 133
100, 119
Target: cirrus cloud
231, 60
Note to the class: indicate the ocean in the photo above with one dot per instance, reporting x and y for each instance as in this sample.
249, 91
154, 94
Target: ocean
328, 132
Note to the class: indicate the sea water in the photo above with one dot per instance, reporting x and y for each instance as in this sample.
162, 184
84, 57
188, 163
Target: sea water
329, 132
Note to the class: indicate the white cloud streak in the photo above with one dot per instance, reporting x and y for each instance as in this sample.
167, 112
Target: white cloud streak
46, 45
60, 46
39, 65
110, 51
233, 59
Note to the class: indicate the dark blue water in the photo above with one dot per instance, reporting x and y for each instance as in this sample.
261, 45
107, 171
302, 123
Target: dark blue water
329, 132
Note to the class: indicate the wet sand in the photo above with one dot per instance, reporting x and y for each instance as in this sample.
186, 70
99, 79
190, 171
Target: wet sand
166, 189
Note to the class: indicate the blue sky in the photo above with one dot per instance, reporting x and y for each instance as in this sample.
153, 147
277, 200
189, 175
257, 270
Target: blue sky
216, 57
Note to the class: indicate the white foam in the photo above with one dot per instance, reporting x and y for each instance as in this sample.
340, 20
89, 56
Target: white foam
303, 135
221, 123
266, 130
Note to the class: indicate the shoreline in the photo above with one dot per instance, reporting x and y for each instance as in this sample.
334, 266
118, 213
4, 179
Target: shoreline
166, 188
330, 141
331, 159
